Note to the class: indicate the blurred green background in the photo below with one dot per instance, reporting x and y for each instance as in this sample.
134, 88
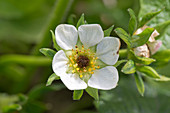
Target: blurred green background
25, 28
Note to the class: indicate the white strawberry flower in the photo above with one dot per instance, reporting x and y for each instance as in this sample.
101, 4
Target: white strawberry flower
78, 63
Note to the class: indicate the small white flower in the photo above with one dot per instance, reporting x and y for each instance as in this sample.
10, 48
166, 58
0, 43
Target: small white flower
78, 63
150, 48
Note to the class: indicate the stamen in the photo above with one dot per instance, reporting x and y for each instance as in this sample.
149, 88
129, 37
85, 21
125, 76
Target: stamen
73, 71
70, 64
89, 69
81, 76
76, 46
92, 72
77, 69
94, 68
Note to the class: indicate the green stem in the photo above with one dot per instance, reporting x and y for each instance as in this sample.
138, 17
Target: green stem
58, 14
122, 53
25, 60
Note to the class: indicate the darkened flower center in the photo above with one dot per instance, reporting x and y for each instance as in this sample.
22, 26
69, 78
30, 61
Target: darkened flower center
83, 61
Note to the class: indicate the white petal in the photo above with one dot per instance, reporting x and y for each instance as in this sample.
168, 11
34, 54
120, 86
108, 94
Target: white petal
59, 66
66, 36
105, 78
154, 46
90, 34
107, 50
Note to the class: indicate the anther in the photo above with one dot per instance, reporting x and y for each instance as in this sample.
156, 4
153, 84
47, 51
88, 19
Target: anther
76, 46
70, 65
89, 69
81, 76
73, 71
98, 67
77, 69
92, 72
94, 68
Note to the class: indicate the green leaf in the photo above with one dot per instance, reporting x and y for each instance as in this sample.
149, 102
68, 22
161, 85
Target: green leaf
132, 22
52, 78
141, 60
146, 18
81, 21
148, 71
77, 94
92, 92
56, 46
12, 108
163, 55
119, 62
124, 36
48, 52
129, 67
139, 83
142, 38
108, 31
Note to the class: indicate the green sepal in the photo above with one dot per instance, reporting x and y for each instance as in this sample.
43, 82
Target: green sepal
108, 31
12, 108
124, 36
148, 71
140, 60
55, 45
163, 78
48, 52
119, 62
52, 78
132, 22
77, 94
163, 55
142, 38
139, 83
81, 21
93, 92
146, 18
129, 67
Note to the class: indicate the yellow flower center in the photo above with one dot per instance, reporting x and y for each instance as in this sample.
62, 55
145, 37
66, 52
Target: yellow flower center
82, 61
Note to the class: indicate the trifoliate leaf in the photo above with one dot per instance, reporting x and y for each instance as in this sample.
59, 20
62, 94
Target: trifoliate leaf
77, 94
108, 31
129, 67
148, 71
48, 52
52, 78
124, 36
93, 92
141, 60
139, 83
81, 21
142, 38
132, 22
56, 46
146, 18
